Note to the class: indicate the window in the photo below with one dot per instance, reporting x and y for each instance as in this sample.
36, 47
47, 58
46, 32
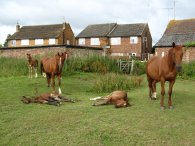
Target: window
133, 54
67, 42
116, 41
163, 54
144, 39
133, 40
38, 41
13, 42
24, 42
95, 41
117, 54
52, 41
82, 41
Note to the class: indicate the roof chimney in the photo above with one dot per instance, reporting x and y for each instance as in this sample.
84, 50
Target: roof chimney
64, 25
17, 27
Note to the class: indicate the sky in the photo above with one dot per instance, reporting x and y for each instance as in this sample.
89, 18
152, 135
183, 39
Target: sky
81, 13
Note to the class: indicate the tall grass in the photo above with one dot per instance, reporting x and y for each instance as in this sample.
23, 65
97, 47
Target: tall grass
98, 64
13, 67
112, 81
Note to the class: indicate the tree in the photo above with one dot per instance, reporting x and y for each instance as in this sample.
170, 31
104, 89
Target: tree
6, 41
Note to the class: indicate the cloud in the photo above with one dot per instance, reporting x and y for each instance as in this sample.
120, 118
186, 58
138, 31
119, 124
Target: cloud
82, 13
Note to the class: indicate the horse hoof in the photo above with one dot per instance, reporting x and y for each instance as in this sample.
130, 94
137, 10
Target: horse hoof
162, 108
171, 107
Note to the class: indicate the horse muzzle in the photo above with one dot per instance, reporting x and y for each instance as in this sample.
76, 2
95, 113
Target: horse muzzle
178, 67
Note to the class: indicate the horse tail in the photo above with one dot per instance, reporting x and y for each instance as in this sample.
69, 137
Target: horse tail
26, 100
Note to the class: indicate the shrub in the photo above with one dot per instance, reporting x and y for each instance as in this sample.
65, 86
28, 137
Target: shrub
189, 44
112, 81
139, 68
188, 71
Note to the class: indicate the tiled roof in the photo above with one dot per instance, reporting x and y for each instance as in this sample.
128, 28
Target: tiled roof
112, 30
96, 30
178, 31
38, 32
128, 30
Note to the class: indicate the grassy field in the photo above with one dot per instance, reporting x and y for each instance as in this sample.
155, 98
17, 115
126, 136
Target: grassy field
82, 124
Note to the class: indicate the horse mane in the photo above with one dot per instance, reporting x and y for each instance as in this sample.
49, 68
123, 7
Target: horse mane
171, 63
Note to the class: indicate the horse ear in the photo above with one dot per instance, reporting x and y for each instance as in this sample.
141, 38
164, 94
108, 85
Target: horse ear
58, 54
173, 44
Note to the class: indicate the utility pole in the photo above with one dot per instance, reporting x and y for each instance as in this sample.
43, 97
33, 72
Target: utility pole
174, 2
168, 9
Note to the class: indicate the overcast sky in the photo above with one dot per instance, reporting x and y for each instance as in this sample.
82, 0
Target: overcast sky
80, 13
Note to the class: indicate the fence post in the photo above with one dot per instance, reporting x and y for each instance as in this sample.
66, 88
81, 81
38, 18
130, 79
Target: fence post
132, 64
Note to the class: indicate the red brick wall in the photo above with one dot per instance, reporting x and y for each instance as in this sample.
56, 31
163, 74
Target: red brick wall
189, 53
72, 52
126, 47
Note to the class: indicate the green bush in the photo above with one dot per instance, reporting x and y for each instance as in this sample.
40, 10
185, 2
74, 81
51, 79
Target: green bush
139, 68
188, 71
112, 81
189, 44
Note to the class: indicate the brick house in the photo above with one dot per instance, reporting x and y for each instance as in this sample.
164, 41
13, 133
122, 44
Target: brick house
120, 39
40, 35
180, 32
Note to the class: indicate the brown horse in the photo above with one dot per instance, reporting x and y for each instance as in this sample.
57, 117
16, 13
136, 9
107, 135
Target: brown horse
118, 98
53, 67
32, 65
164, 69
47, 98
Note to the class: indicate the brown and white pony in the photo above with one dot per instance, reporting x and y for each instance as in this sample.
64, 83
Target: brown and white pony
53, 67
162, 69
32, 65
118, 98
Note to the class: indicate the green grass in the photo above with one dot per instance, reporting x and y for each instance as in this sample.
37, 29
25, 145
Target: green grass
80, 123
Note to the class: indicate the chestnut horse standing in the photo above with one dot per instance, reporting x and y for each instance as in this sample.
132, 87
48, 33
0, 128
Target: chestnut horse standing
32, 65
53, 67
164, 69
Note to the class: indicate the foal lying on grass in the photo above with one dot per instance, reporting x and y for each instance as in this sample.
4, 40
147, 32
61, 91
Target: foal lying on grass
118, 98
47, 98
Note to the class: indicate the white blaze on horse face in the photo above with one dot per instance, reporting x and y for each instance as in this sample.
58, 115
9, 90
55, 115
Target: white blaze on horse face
154, 95
60, 61
60, 92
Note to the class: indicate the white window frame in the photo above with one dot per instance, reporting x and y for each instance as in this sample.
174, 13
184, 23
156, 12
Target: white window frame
115, 41
81, 41
163, 54
68, 42
13, 42
117, 54
133, 40
52, 41
95, 41
39, 41
25, 42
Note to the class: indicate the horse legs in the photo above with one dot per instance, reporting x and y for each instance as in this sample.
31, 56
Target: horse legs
150, 86
171, 83
35, 69
48, 79
53, 81
30, 72
154, 89
59, 84
162, 93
